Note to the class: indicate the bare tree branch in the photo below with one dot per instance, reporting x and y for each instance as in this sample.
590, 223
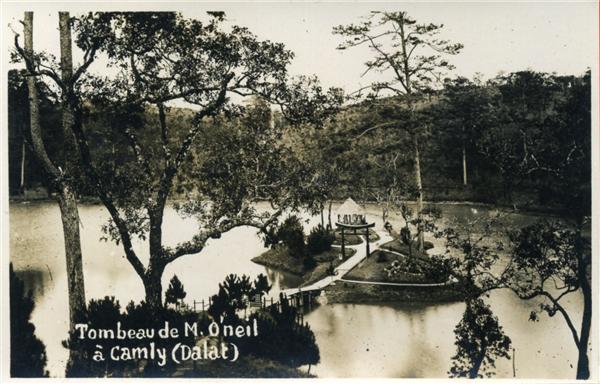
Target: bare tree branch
199, 241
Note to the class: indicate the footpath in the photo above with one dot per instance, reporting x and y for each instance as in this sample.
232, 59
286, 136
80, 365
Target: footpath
345, 267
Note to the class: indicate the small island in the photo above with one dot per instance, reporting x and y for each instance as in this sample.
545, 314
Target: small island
383, 268
313, 258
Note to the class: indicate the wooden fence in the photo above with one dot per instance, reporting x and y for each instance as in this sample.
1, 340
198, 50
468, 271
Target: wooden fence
302, 301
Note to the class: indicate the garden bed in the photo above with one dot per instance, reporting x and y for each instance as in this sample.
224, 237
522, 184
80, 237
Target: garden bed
373, 269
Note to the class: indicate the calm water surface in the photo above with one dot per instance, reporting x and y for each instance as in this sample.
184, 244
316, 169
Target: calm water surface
378, 340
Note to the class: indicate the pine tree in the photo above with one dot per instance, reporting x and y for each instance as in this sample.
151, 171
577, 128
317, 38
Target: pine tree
175, 293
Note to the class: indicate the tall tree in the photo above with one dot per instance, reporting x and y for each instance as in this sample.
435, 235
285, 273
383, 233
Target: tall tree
58, 178
319, 150
464, 110
18, 126
550, 262
69, 211
175, 293
412, 54
26, 171
164, 57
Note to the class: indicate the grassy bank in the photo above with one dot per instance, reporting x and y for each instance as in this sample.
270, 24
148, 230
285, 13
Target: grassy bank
321, 271
279, 258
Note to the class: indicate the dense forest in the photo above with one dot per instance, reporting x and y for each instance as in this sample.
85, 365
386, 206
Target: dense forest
500, 141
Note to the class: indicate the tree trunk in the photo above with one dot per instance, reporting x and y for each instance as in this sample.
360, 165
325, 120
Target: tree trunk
583, 365
153, 284
69, 157
474, 371
329, 215
419, 191
22, 176
66, 55
70, 222
156, 266
66, 199
322, 216
464, 164
67, 202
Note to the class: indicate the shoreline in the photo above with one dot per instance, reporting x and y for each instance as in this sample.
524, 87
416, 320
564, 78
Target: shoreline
345, 292
279, 261
357, 292
532, 210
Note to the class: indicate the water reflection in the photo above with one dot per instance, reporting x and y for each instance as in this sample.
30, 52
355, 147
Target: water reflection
282, 280
480, 341
35, 280
355, 340
359, 340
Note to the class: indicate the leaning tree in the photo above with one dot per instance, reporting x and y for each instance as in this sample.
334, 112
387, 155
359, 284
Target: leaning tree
412, 55
61, 171
549, 261
552, 261
162, 58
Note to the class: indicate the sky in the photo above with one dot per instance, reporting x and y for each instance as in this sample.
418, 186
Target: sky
497, 37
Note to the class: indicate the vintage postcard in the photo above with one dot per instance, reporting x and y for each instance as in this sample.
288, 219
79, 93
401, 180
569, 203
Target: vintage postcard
326, 190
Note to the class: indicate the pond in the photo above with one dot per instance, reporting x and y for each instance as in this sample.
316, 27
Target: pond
375, 340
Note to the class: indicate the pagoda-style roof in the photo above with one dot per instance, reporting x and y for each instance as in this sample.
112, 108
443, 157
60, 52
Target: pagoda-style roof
352, 215
350, 207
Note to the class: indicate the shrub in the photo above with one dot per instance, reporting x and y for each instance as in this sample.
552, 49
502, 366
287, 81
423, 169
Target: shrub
319, 240
402, 265
381, 257
234, 294
282, 338
330, 270
432, 210
291, 233
405, 236
270, 236
440, 269
175, 293
309, 262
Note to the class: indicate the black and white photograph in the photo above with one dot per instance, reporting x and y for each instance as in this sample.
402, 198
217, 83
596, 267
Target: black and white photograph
331, 190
